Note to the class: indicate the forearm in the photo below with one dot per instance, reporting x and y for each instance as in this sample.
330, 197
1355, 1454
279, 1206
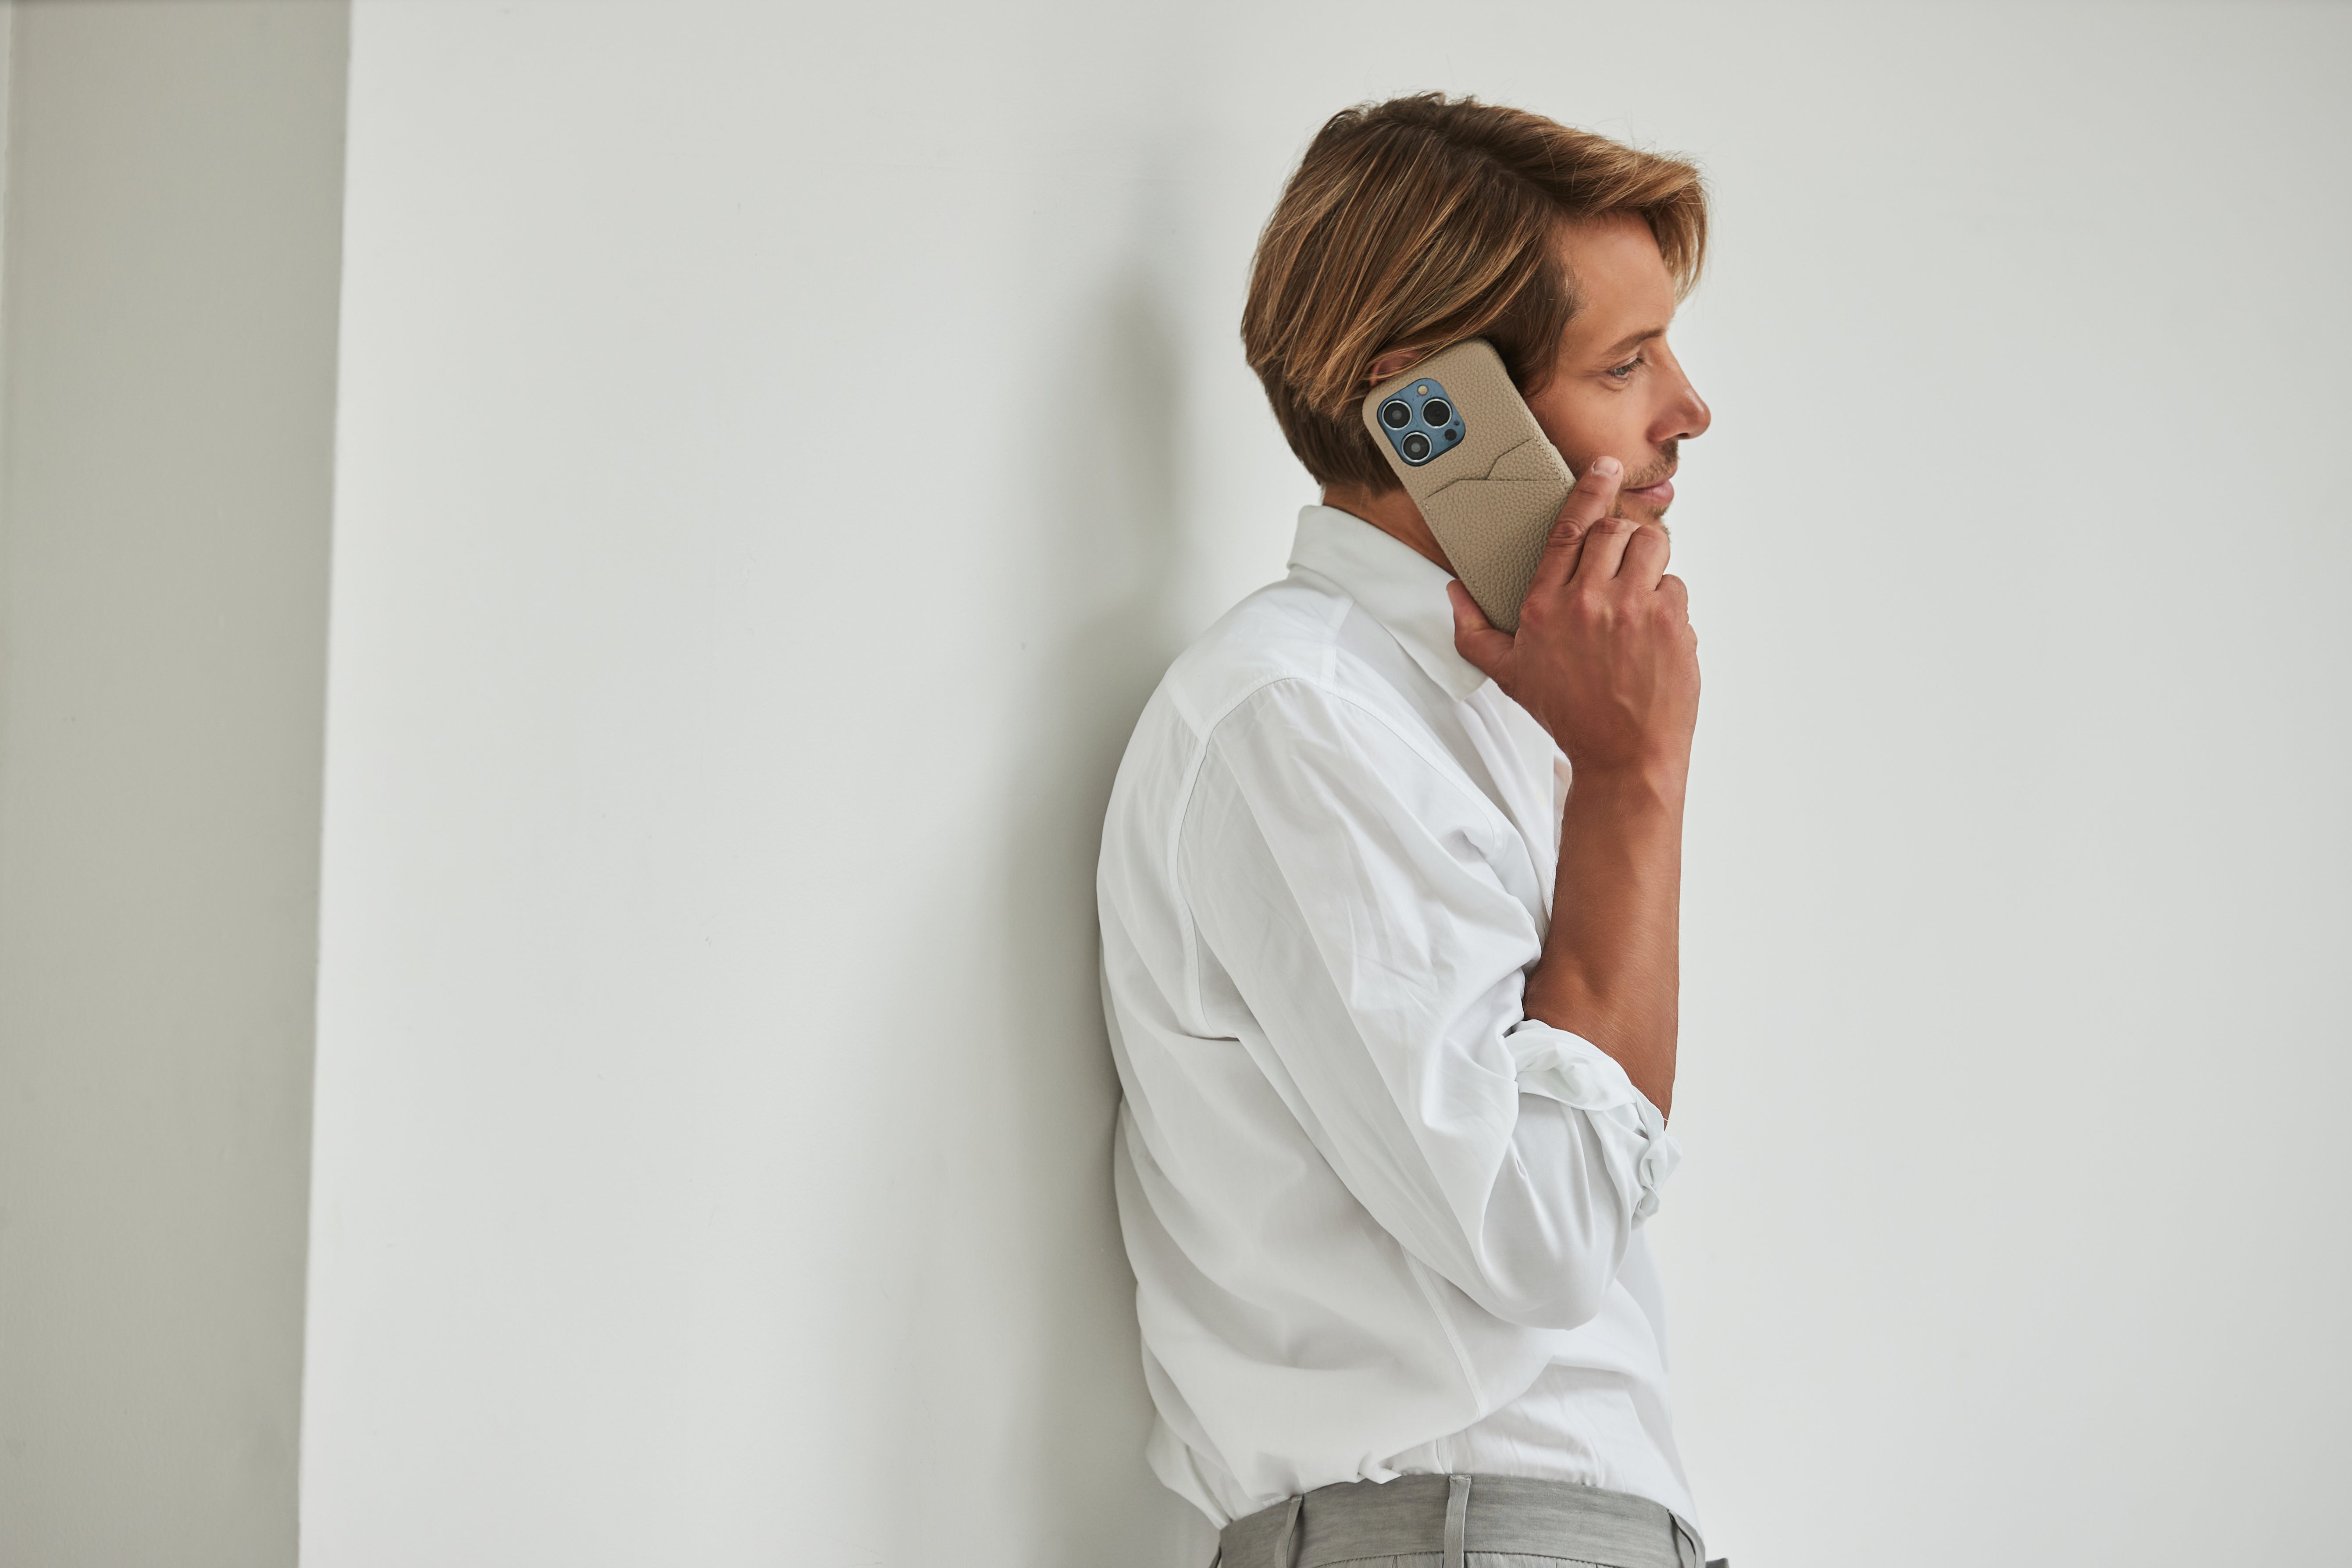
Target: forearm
1611, 964
1604, 658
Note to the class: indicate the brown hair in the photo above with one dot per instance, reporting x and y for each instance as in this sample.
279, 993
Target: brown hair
1425, 220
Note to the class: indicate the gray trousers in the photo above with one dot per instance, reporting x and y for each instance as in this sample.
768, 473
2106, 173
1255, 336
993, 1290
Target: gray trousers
1462, 1521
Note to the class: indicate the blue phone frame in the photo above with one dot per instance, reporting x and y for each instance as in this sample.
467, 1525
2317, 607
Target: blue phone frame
1417, 396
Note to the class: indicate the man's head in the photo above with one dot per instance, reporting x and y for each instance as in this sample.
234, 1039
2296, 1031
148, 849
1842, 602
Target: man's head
1420, 222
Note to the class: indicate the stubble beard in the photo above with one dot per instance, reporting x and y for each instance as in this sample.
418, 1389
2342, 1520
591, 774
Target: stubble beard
1669, 455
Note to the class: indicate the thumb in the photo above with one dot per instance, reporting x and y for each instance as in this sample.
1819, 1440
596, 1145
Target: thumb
1488, 650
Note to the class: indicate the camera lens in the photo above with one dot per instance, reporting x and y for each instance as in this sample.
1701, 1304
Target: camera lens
1396, 415
1416, 448
1436, 413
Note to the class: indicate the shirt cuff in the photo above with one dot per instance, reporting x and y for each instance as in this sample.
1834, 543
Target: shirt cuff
1634, 1144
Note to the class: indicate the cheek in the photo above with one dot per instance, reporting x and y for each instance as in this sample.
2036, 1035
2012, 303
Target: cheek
1586, 424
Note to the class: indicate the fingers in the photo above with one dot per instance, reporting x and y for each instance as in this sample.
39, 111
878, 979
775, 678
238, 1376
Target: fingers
1604, 550
1473, 638
1594, 496
1646, 551
1619, 547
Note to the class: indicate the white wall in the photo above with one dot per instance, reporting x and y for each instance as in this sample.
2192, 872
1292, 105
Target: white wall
779, 447
174, 194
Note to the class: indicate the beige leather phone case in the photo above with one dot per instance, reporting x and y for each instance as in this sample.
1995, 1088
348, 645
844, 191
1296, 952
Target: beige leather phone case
1492, 500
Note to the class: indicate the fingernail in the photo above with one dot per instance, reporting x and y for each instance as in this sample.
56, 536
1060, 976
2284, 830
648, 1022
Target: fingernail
1607, 468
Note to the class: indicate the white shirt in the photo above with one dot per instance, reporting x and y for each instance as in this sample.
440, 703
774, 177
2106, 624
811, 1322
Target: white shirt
1380, 1221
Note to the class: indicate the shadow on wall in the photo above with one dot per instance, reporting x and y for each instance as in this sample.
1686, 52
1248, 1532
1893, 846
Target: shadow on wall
1069, 1476
1114, 535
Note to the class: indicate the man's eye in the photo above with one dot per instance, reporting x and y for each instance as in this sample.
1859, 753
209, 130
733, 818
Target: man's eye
1623, 370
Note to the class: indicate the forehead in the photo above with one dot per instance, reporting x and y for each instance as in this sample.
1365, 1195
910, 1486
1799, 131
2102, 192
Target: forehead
1622, 281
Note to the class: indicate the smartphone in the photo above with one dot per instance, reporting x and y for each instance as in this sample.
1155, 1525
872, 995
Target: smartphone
1479, 467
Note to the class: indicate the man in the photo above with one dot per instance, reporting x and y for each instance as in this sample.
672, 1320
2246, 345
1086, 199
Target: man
1390, 899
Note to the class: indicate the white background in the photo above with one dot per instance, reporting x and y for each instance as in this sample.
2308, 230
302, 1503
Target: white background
779, 448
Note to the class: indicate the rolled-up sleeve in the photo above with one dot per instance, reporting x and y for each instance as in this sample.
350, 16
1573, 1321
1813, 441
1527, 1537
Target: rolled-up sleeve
1361, 905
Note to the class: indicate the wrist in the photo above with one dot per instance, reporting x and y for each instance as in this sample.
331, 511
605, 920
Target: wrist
1665, 778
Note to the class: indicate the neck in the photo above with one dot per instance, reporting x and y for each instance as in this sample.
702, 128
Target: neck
1391, 511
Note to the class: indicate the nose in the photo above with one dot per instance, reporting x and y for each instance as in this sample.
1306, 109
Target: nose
1684, 414
1696, 415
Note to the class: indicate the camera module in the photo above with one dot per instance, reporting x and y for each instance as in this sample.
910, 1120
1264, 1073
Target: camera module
1396, 415
1437, 413
1415, 446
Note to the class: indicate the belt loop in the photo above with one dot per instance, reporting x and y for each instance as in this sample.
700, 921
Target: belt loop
1457, 1518
1687, 1550
1286, 1545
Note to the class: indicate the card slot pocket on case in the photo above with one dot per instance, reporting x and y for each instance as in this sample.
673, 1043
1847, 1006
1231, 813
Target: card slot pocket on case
1493, 531
1522, 462
1491, 498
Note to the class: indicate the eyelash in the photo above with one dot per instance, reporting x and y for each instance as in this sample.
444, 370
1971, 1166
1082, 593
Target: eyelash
1626, 372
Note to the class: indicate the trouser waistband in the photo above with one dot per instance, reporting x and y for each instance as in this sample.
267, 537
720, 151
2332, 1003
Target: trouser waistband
1456, 1514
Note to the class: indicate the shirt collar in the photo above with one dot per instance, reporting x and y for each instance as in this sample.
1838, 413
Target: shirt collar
1395, 583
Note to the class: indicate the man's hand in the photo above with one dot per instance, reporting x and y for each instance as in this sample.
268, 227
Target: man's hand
1605, 658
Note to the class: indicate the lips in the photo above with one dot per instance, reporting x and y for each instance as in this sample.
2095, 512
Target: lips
1660, 494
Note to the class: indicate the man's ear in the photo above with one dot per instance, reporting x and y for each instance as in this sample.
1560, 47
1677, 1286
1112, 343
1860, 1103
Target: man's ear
1390, 364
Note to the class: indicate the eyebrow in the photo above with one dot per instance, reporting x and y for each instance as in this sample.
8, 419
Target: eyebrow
1632, 341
